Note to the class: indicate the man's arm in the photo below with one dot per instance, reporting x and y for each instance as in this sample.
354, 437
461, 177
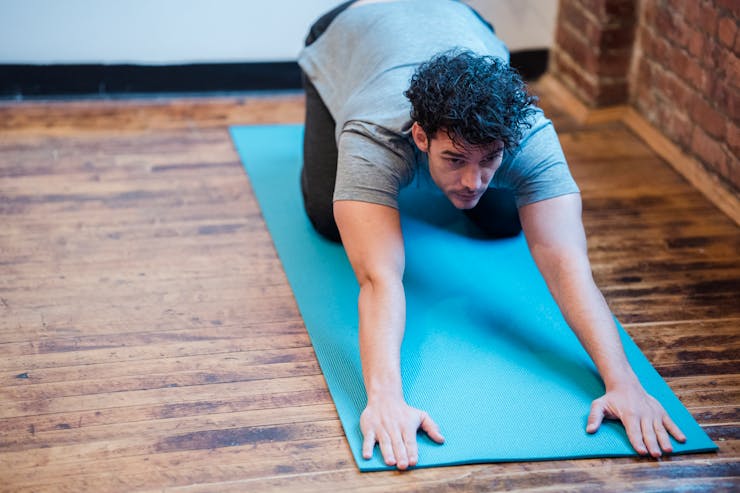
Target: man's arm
557, 241
371, 235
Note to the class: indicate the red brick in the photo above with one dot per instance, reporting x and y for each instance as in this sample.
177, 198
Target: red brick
641, 77
708, 118
733, 139
709, 151
675, 124
702, 15
732, 69
656, 48
678, 61
614, 64
646, 41
643, 80
577, 48
575, 14
727, 30
564, 63
666, 23
726, 65
671, 26
586, 26
729, 5
575, 78
712, 53
649, 11
596, 8
647, 108
728, 98
734, 173
674, 89
611, 93
615, 12
621, 11
696, 44
681, 33
617, 38
691, 12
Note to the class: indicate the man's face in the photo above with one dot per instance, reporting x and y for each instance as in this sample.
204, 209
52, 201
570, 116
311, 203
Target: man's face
461, 172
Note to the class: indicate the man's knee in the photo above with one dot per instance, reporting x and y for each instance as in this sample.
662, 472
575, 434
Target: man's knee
326, 227
497, 214
503, 226
320, 211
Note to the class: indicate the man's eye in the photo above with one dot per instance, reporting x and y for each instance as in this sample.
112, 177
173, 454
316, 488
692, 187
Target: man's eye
493, 157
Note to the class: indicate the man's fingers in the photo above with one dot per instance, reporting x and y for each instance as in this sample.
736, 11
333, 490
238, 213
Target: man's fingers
368, 445
673, 429
648, 437
386, 448
399, 451
431, 428
634, 433
409, 440
596, 416
663, 438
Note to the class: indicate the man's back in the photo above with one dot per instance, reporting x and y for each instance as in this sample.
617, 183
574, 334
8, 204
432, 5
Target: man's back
363, 62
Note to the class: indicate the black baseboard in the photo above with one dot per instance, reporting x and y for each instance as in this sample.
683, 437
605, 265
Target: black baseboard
33, 81
76, 80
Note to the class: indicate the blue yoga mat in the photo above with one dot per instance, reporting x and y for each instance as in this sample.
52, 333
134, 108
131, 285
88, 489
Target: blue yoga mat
486, 351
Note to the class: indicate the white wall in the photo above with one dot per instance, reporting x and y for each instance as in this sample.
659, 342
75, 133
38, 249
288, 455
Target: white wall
154, 31
192, 31
522, 24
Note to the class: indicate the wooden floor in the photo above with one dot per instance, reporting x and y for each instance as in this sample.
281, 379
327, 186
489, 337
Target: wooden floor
149, 339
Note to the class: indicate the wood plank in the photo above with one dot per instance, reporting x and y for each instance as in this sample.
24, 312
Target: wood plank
709, 184
70, 450
192, 115
718, 476
221, 368
157, 396
226, 463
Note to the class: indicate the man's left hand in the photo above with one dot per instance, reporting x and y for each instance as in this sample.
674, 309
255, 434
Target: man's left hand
646, 422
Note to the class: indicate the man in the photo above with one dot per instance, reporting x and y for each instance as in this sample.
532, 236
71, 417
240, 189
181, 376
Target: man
419, 92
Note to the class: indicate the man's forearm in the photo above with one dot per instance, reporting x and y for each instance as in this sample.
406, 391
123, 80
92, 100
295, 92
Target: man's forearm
587, 313
382, 311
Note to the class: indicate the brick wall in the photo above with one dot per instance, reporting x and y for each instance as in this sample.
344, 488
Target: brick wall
686, 78
593, 48
682, 71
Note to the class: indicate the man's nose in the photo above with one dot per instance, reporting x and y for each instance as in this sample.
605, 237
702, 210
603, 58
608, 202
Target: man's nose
472, 179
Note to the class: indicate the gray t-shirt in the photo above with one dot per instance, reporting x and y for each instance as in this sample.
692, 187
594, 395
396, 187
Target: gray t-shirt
362, 64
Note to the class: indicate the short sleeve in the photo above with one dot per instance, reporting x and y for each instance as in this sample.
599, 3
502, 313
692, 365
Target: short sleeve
536, 170
372, 166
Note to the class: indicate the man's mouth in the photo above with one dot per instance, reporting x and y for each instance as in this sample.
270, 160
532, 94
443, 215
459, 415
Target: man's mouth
467, 196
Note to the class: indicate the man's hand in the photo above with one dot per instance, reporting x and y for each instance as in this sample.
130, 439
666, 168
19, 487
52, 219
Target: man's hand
646, 422
393, 425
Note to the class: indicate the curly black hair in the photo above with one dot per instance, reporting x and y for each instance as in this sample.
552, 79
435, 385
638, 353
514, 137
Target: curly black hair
475, 99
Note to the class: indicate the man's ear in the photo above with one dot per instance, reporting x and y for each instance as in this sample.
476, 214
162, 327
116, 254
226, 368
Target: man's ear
420, 137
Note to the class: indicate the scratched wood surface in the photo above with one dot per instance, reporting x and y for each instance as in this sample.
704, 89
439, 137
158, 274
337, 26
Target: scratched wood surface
149, 339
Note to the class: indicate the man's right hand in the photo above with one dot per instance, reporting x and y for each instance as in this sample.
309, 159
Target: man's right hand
393, 425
